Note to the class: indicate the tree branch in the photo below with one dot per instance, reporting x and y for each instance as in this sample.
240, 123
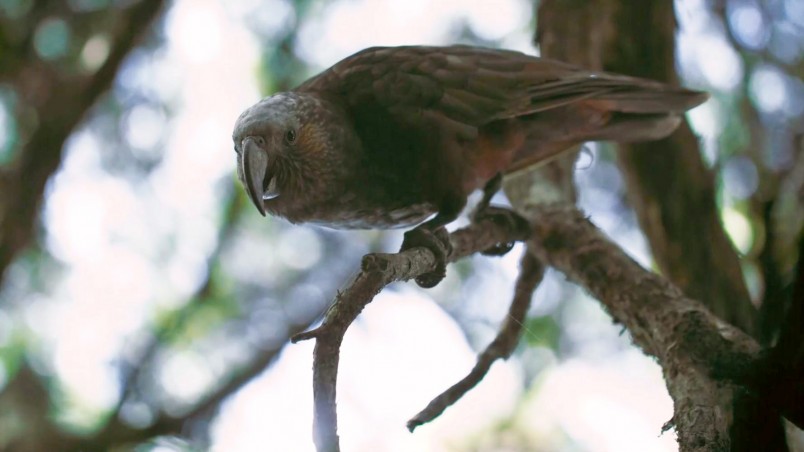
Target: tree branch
689, 342
530, 276
698, 352
377, 271
675, 206
117, 433
66, 101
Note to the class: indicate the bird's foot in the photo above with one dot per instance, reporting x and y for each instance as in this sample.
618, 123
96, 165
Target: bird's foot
503, 216
437, 241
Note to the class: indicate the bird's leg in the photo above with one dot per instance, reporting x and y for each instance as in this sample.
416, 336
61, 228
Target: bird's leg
489, 190
497, 214
434, 236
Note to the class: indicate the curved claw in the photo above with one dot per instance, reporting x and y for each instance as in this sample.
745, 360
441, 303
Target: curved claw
438, 243
501, 215
499, 249
254, 167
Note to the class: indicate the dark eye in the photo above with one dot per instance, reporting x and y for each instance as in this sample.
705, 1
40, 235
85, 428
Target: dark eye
290, 136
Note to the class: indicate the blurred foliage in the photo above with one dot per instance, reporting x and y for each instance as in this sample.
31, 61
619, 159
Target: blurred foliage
762, 146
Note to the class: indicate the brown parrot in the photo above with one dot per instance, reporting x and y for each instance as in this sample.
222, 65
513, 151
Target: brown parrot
391, 136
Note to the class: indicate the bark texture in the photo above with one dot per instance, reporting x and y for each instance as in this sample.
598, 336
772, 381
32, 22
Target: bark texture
673, 193
669, 185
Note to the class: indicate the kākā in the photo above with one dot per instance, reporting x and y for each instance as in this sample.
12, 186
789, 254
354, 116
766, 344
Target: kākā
392, 135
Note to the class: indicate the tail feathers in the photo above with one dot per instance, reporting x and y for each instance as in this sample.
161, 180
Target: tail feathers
612, 92
668, 100
542, 146
630, 127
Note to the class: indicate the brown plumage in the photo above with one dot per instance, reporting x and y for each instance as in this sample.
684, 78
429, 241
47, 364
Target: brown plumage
390, 136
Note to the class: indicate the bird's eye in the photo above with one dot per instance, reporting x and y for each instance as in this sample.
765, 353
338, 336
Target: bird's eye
290, 136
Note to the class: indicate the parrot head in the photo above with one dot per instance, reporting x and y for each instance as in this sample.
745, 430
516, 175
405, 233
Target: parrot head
290, 149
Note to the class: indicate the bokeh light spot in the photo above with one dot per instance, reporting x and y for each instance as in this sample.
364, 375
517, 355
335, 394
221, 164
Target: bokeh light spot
705, 119
740, 177
794, 9
719, 62
748, 25
95, 52
185, 376
7, 129
494, 20
75, 218
299, 248
15, 9
739, 229
196, 31
52, 38
266, 18
136, 414
143, 128
768, 88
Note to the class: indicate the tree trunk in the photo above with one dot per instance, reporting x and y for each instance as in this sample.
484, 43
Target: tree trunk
673, 194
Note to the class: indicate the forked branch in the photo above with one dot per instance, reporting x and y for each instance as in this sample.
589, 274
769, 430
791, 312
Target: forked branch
377, 271
530, 276
698, 352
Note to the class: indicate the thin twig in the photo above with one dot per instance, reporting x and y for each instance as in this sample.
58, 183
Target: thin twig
530, 276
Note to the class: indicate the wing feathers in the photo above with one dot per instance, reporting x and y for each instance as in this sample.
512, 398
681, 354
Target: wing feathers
475, 86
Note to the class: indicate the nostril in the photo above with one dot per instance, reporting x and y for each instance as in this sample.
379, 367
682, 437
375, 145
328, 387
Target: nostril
260, 141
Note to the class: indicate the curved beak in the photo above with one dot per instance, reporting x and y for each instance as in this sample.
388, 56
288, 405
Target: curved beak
255, 169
